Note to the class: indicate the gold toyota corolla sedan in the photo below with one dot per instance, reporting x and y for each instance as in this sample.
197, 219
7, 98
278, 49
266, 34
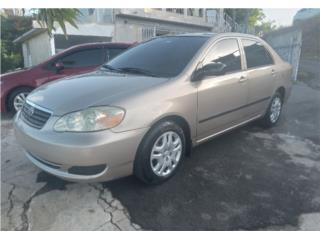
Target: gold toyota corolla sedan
142, 112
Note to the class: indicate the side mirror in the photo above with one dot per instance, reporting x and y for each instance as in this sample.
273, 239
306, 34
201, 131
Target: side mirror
214, 69
59, 66
210, 69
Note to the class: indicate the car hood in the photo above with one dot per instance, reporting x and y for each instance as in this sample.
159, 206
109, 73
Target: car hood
93, 89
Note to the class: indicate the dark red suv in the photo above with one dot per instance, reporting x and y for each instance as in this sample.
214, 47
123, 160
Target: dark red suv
15, 86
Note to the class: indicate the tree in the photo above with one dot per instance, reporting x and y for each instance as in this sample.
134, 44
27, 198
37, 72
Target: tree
14, 26
265, 27
250, 16
46, 17
11, 28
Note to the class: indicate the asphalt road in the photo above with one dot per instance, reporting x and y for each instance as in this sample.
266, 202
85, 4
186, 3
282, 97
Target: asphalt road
249, 179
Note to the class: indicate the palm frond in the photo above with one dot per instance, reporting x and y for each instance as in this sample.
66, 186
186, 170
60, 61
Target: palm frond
47, 17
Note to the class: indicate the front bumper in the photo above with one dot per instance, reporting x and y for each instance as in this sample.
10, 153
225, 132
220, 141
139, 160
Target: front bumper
110, 154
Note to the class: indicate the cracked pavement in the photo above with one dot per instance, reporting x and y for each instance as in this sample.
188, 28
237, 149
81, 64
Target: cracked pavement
249, 179
34, 200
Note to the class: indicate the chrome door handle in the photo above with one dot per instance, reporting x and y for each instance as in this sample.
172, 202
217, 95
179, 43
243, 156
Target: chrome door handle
273, 72
242, 79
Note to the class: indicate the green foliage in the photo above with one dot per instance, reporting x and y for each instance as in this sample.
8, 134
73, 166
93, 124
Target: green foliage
11, 28
46, 17
14, 26
265, 27
255, 15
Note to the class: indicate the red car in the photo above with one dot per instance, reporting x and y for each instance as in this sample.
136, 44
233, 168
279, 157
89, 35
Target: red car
15, 86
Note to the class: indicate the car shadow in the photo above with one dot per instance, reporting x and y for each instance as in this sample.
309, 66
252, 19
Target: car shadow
232, 182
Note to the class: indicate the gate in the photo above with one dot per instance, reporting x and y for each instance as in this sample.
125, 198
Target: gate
147, 33
287, 43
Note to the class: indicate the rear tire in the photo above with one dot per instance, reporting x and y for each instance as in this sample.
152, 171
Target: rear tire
160, 153
273, 113
16, 98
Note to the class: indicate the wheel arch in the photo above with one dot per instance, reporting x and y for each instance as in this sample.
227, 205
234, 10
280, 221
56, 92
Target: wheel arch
282, 91
182, 122
11, 91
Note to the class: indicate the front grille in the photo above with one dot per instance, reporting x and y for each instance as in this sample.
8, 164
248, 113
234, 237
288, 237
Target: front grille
34, 116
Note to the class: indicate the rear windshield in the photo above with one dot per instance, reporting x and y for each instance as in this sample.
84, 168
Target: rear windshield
162, 57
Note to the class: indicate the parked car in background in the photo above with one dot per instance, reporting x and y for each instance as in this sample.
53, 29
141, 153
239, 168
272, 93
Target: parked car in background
15, 86
143, 111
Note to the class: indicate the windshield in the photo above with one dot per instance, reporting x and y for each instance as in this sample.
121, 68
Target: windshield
159, 57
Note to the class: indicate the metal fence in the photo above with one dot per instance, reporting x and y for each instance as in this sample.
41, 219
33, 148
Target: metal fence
287, 43
148, 32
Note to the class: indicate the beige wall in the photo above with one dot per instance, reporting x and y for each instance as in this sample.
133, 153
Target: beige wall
131, 30
126, 32
36, 49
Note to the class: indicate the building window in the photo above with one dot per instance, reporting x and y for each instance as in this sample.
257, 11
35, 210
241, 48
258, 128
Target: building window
200, 12
180, 10
175, 10
91, 11
190, 11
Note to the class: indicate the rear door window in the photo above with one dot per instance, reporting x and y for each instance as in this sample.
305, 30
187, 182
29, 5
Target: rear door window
256, 54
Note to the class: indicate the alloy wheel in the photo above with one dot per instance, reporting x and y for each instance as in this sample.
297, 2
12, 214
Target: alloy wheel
19, 100
275, 109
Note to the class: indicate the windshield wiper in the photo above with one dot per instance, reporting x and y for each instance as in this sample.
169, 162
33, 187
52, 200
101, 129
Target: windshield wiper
137, 71
109, 67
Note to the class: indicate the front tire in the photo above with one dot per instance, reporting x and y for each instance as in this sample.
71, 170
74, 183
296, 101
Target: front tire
160, 153
17, 97
273, 113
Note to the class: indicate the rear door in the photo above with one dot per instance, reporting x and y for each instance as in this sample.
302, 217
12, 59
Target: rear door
221, 98
261, 73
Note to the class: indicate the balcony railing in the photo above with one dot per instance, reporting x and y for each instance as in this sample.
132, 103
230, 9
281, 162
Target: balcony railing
174, 15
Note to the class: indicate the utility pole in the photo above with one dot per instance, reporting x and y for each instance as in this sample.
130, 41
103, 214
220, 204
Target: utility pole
246, 20
234, 13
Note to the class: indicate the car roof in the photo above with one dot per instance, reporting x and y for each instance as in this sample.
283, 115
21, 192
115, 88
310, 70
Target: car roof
99, 44
212, 34
88, 46
199, 34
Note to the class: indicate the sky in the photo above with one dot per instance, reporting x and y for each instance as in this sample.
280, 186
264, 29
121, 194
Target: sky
281, 16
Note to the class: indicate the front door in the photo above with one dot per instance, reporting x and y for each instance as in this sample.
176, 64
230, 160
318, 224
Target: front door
221, 99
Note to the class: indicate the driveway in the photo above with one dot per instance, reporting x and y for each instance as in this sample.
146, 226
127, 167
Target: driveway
249, 179
310, 71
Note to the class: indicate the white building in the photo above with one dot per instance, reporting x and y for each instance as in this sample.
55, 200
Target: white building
306, 13
120, 25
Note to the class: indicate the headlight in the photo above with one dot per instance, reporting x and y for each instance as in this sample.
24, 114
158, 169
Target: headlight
90, 119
